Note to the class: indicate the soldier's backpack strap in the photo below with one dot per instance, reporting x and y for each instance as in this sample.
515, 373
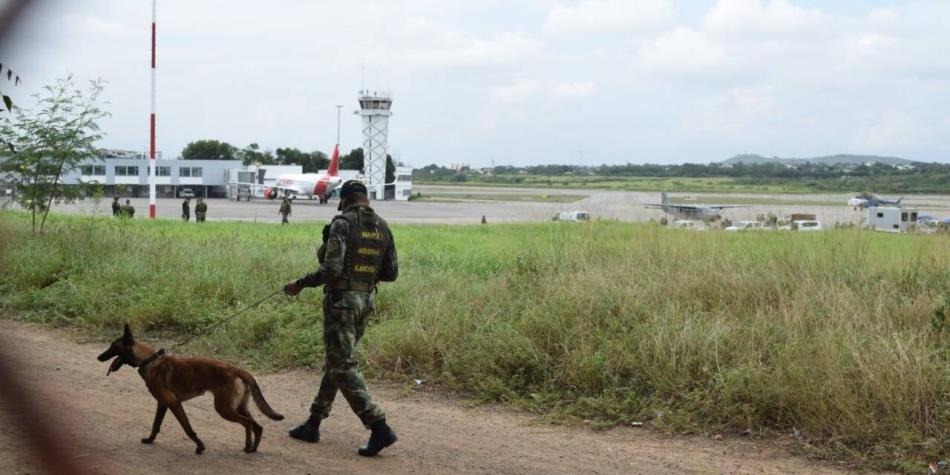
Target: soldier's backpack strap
322, 250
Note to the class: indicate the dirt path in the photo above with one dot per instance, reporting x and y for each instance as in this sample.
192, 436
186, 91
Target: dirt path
106, 416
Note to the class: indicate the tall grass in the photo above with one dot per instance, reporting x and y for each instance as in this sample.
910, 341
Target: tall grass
831, 336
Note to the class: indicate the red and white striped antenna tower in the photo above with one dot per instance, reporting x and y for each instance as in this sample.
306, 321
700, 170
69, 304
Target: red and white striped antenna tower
151, 132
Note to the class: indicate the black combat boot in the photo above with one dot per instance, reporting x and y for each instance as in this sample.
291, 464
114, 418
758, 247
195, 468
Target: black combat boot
381, 437
309, 431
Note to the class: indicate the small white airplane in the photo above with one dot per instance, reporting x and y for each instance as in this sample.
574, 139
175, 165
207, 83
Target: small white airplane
309, 185
705, 213
867, 200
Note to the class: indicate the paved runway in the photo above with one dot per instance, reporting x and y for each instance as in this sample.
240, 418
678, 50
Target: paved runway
602, 204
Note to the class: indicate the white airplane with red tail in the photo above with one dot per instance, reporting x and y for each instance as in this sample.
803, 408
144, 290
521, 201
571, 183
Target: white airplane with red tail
310, 185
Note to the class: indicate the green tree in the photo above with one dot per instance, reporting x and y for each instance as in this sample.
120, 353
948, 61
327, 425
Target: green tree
208, 150
290, 156
311, 162
319, 161
8, 102
390, 169
252, 154
49, 142
352, 160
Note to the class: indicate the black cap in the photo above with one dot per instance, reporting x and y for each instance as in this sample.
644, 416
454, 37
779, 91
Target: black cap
352, 186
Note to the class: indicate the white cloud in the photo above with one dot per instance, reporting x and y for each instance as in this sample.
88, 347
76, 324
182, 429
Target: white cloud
742, 111
883, 17
515, 93
892, 130
773, 17
508, 104
91, 26
574, 89
451, 49
708, 79
754, 101
682, 51
609, 16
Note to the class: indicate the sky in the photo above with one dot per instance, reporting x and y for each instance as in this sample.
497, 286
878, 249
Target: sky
483, 82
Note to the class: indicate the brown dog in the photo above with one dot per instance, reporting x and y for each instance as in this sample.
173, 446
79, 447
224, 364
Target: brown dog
174, 380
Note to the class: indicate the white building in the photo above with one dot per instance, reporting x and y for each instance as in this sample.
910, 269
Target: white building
129, 176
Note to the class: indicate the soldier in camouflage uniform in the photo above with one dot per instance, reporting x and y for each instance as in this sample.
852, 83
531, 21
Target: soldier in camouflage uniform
186, 209
128, 210
201, 210
284, 211
358, 252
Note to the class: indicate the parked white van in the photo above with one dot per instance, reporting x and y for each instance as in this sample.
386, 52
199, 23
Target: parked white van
572, 216
808, 225
694, 224
746, 226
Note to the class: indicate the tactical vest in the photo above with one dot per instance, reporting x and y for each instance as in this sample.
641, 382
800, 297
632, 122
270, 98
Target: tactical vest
365, 249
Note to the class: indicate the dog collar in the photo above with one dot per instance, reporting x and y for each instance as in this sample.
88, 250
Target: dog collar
158, 354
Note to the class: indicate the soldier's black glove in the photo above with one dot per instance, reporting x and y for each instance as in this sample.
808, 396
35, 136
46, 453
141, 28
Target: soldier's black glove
292, 289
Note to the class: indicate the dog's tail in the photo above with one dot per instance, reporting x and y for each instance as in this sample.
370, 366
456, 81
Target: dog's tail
259, 397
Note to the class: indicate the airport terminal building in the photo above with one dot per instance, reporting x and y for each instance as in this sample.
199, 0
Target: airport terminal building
122, 173
129, 176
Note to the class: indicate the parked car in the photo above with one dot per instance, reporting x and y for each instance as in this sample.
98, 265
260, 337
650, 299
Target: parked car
808, 225
186, 193
694, 224
746, 226
572, 216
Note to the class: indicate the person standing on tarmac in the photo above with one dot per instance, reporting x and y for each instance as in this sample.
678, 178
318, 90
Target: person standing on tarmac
358, 252
116, 207
201, 210
128, 210
284, 211
186, 209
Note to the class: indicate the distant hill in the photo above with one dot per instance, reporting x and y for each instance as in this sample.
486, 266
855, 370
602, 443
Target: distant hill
751, 159
840, 159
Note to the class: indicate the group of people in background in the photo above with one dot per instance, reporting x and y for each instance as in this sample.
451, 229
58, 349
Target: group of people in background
122, 211
128, 211
201, 210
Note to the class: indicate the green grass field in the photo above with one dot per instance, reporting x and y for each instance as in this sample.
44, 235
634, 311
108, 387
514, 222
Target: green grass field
462, 195
835, 336
904, 184
694, 185
785, 200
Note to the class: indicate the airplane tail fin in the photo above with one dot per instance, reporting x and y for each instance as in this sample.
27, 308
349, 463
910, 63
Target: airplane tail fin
664, 199
334, 169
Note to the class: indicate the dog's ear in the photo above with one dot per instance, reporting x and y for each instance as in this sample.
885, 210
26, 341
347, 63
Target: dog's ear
127, 335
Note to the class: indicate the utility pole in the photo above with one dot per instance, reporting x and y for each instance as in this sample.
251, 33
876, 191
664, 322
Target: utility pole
338, 108
151, 132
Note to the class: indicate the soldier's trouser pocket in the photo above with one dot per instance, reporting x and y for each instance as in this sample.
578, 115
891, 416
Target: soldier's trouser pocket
340, 337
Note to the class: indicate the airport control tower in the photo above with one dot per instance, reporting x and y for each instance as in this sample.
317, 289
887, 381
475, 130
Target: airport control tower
375, 110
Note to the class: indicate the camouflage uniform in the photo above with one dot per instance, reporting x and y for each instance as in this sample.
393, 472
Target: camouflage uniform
116, 207
284, 211
201, 209
185, 210
128, 210
358, 251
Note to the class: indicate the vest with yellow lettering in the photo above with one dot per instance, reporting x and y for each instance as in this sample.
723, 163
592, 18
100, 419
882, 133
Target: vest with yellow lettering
365, 249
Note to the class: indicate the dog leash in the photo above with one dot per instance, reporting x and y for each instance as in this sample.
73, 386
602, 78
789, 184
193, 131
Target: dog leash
229, 317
